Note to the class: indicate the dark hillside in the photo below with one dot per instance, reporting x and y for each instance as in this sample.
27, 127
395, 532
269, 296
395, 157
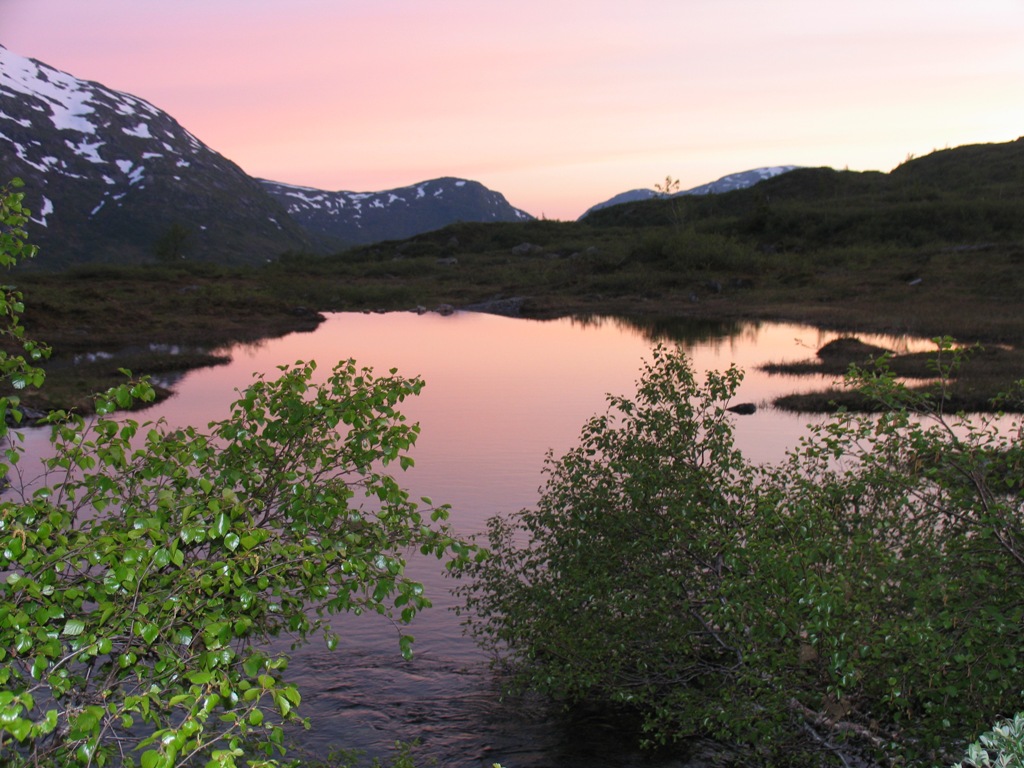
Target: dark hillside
959, 196
894, 253
993, 168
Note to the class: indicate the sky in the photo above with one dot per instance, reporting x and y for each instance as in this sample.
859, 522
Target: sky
557, 104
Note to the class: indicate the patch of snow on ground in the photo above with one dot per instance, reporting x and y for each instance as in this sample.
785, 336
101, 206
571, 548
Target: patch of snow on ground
87, 149
150, 155
392, 197
420, 192
64, 94
23, 156
124, 165
24, 123
46, 211
460, 183
96, 210
303, 194
141, 131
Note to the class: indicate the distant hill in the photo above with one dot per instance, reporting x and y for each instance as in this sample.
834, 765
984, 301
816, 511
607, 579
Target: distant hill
109, 177
632, 196
729, 183
358, 218
972, 193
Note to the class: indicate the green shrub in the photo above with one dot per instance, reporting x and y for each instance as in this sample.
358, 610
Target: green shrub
1001, 747
146, 571
860, 597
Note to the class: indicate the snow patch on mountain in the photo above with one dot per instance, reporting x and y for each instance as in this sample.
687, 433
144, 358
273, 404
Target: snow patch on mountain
365, 217
728, 183
740, 180
105, 172
81, 112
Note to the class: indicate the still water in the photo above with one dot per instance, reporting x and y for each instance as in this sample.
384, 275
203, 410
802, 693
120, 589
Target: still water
500, 393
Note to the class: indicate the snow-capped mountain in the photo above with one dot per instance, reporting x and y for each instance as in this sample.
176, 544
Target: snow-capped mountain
355, 218
108, 176
740, 180
728, 183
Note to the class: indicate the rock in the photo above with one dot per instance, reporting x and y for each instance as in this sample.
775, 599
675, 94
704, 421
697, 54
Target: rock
510, 307
526, 249
447, 261
850, 350
445, 309
743, 409
308, 315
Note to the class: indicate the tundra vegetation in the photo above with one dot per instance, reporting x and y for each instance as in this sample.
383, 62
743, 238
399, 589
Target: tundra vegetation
859, 600
933, 248
146, 569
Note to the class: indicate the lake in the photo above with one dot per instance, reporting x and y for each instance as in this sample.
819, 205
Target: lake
499, 394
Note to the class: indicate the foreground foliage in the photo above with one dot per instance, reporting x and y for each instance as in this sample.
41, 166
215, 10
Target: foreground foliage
1001, 747
862, 597
146, 568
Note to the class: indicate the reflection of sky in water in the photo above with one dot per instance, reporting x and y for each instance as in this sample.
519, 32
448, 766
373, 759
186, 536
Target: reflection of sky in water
499, 394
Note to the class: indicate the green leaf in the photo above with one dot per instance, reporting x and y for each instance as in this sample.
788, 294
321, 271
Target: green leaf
73, 627
221, 524
150, 632
19, 728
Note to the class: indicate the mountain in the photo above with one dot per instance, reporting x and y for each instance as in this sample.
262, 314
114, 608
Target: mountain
109, 177
728, 183
632, 196
358, 218
969, 196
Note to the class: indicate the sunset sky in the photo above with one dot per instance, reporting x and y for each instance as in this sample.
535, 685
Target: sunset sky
557, 104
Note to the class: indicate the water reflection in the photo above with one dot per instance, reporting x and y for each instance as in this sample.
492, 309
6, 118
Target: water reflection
500, 393
687, 331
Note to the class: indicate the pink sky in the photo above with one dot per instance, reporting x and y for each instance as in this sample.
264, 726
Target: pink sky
557, 104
